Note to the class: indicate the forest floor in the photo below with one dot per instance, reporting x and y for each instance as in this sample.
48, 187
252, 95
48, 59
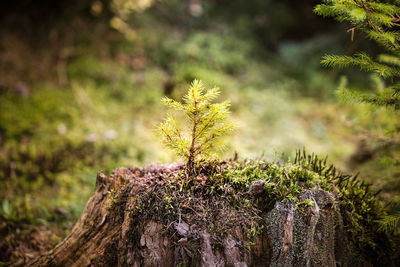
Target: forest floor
89, 101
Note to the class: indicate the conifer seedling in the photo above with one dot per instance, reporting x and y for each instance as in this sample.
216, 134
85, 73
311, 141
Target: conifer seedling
206, 127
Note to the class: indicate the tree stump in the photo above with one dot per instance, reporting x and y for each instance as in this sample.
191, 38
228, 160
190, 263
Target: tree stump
113, 231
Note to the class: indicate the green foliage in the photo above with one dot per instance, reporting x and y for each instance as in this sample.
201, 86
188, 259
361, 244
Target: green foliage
303, 205
363, 61
112, 195
245, 189
207, 124
390, 224
226, 52
359, 206
53, 141
281, 182
379, 22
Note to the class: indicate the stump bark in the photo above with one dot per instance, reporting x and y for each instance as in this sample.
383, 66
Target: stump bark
107, 235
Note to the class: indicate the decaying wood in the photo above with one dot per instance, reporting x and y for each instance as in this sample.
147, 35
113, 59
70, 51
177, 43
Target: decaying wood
112, 237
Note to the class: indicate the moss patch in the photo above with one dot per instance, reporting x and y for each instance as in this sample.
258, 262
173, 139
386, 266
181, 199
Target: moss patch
227, 194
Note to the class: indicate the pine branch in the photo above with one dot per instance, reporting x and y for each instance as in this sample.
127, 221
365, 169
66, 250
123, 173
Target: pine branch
389, 223
390, 59
387, 98
363, 61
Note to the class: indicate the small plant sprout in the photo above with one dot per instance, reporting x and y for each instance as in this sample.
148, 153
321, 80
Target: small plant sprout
206, 129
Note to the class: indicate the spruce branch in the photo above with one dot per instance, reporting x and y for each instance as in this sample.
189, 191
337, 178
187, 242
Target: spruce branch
389, 223
379, 22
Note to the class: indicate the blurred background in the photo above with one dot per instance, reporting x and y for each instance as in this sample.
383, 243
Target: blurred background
81, 83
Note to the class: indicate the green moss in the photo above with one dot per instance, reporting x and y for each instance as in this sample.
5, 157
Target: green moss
112, 194
242, 191
281, 182
359, 206
303, 205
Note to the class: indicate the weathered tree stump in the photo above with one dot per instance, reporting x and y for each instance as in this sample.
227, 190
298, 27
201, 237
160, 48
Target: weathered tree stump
113, 231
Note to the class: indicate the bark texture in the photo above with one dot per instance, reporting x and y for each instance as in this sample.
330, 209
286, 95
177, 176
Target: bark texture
309, 236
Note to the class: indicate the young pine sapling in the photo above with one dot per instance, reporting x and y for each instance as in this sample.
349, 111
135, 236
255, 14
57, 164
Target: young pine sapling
207, 125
